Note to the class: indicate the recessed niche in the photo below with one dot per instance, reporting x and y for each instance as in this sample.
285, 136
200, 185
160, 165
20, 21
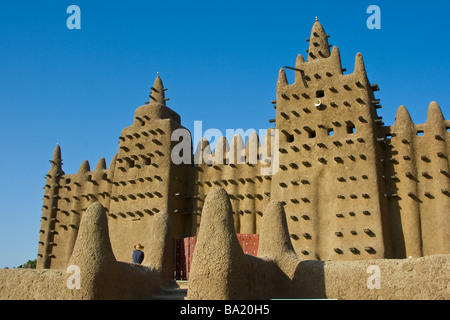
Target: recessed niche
311, 132
350, 127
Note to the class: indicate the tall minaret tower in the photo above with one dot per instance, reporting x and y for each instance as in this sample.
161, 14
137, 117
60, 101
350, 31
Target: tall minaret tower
146, 181
329, 175
49, 211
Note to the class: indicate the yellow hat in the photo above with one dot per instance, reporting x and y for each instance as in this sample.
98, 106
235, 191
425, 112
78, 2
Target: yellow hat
138, 247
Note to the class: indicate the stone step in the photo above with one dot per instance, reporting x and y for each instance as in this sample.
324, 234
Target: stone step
162, 296
177, 290
183, 284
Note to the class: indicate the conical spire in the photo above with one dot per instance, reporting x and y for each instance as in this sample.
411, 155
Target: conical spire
57, 154
101, 165
434, 114
236, 155
403, 119
359, 64
221, 150
112, 164
299, 65
335, 60
252, 149
403, 115
57, 161
217, 244
435, 123
298, 62
84, 167
266, 151
282, 79
318, 43
203, 152
274, 234
93, 255
336, 53
157, 95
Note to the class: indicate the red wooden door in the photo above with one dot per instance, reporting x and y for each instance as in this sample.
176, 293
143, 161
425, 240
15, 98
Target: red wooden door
180, 261
249, 243
184, 251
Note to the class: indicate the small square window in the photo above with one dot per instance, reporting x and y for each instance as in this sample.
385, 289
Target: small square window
320, 94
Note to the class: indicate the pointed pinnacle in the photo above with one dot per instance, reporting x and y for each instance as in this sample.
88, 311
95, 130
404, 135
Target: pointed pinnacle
57, 155
282, 79
157, 95
318, 43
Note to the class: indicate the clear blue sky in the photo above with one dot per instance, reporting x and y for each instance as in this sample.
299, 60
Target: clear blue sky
218, 59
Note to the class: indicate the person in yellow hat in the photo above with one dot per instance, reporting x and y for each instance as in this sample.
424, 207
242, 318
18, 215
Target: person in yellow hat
138, 255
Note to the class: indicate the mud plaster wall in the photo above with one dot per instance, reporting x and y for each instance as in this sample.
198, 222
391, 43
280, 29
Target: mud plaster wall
239, 168
221, 271
328, 174
417, 174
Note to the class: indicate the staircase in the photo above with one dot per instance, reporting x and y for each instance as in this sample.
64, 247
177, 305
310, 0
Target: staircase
177, 290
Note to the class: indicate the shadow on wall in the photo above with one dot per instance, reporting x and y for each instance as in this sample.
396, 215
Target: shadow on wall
310, 277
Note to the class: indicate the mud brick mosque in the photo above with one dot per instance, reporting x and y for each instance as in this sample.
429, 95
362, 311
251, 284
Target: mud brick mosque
348, 188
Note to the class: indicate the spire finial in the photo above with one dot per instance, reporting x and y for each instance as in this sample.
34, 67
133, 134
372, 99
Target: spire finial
157, 95
317, 19
57, 155
318, 43
56, 161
